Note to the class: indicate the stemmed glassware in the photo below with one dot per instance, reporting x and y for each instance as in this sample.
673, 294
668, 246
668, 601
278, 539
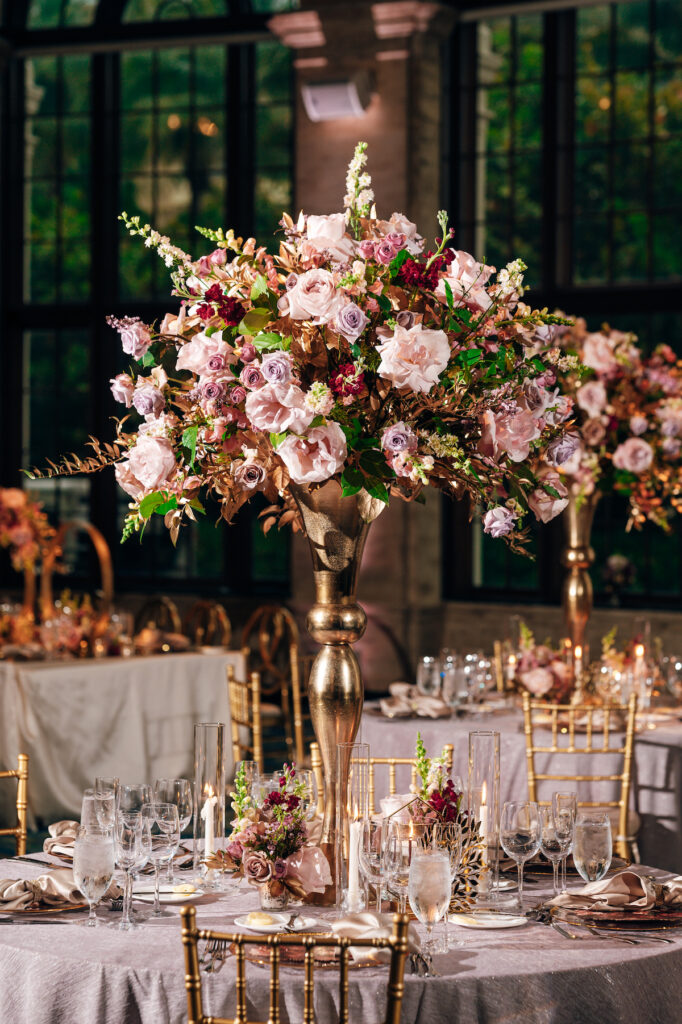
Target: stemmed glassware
98, 810
131, 799
164, 829
371, 855
178, 792
429, 888
553, 842
565, 809
592, 846
132, 841
428, 676
93, 865
520, 834
307, 777
448, 838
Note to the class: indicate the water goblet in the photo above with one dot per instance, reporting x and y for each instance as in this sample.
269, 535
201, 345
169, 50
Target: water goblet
130, 799
371, 855
180, 793
98, 810
93, 865
429, 888
164, 830
592, 846
448, 838
520, 835
565, 808
553, 842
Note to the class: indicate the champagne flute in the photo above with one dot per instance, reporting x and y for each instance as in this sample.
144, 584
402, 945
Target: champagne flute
429, 888
552, 842
371, 856
164, 831
520, 835
93, 865
98, 810
565, 808
180, 793
592, 846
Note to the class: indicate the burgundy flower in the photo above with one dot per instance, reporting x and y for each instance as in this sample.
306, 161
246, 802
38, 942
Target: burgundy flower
347, 381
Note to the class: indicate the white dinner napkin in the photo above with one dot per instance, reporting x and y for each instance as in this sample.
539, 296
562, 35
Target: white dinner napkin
626, 890
406, 700
370, 925
61, 839
53, 889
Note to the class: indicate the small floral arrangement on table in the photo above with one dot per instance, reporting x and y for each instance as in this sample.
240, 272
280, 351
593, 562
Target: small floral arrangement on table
267, 845
352, 353
24, 528
628, 408
541, 670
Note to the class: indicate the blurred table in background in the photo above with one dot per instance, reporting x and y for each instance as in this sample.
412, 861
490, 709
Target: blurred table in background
129, 717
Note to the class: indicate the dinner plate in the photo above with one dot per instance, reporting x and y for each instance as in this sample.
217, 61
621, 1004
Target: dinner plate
488, 920
41, 910
301, 924
166, 894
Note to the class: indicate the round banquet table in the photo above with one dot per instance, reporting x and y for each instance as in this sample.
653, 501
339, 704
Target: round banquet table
656, 780
57, 972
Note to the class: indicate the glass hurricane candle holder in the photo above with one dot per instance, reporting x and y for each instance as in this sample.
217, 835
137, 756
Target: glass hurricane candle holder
209, 810
484, 809
352, 809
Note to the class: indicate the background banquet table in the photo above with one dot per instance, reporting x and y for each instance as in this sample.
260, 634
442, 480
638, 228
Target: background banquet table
657, 768
132, 717
59, 972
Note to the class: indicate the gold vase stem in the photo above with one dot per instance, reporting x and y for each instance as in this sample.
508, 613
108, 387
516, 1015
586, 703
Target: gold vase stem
578, 556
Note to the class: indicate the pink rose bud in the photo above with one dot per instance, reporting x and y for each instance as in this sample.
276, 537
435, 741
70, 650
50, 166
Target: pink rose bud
366, 249
249, 352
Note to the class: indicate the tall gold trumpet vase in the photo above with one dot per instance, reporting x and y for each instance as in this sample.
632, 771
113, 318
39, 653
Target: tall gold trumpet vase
578, 556
336, 528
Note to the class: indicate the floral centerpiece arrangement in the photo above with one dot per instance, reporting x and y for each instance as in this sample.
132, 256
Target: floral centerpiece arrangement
628, 409
542, 671
267, 845
353, 353
24, 528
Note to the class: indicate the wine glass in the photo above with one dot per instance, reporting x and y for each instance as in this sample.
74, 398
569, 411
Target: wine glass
93, 865
371, 855
520, 834
429, 888
553, 842
98, 809
428, 676
180, 793
592, 846
105, 784
132, 798
130, 856
164, 830
565, 808
397, 857
448, 838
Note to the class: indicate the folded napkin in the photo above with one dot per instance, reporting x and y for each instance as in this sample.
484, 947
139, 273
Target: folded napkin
61, 839
370, 925
624, 891
407, 700
57, 888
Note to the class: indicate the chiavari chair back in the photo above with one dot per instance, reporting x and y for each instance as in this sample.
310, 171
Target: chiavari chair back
20, 773
245, 717
586, 730
159, 613
207, 623
191, 936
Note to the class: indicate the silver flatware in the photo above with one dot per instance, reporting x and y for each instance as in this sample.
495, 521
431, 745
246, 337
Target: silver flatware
35, 860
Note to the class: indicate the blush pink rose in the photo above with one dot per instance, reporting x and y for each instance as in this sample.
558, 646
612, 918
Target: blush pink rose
635, 455
414, 358
509, 433
598, 353
328, 235
546, 506
195, 356
314, 296
122, 387
591, 397
150, 464
537, 681
278, 407
316, 457
135, 339
400, 225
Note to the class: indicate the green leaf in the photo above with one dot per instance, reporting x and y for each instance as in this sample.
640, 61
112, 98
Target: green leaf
551, 490
167, 506
470, 356
270, 342
374, 464
384, 302
448, 293
396, 263
352, 431
276, 439
376, 489
210, 330
348, 490
254, 321
147, 360
189, 439
317, 421
151, 502
352, 477
259, 287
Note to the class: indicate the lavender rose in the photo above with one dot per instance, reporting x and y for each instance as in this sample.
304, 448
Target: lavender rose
280, 868
252, 378
248, 474
634, 455
385, 252
135, 339
399, 438
671, 447
498, 522
351, 321
257, 868
216, 363
562, 449
148, 400
248, 352
276, 367
406, 318
592, 397
213, 391
366, 249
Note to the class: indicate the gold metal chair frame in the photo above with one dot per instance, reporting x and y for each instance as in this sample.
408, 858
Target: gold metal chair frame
20, 773
207, 623
391, 762
161, 612
245, 713
103, 556
598, 740
272, 625
191, 936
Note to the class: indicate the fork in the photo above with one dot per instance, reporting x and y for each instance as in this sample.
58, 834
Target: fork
289, 926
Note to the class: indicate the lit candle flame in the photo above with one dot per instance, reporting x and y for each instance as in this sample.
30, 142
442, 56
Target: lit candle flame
484, 795
639, 651
578, 652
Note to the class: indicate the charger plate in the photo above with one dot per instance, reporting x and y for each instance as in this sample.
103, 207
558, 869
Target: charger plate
325, 958
40, 911
625, 920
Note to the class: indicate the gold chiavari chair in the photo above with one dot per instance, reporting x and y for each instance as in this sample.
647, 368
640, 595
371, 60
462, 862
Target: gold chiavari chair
159, 613
207, 623
390, 762
270, 642
20, 773
245, 717
191, 936
605, 736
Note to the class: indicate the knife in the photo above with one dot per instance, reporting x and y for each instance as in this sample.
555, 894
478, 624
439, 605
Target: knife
35, 860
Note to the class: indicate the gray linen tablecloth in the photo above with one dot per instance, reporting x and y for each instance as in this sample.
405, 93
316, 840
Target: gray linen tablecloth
657, 770
61, 973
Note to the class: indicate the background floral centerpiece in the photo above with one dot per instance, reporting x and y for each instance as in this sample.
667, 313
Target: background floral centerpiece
352, 353
267, 845
542, 671
24, 528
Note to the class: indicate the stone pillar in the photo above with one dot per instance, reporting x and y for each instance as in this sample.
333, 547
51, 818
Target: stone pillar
398, 47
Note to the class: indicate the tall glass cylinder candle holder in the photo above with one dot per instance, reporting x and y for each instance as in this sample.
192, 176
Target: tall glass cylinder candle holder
209, 808
352, 808
484, 809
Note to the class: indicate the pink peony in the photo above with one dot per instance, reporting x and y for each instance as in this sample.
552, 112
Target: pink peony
509, 433
150, 464
633, 455
316, 457
278, 407
314, 297
592, 398
467, 279
598, 353
197, 353
546, 506
414, 358
122, 387
538, 681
